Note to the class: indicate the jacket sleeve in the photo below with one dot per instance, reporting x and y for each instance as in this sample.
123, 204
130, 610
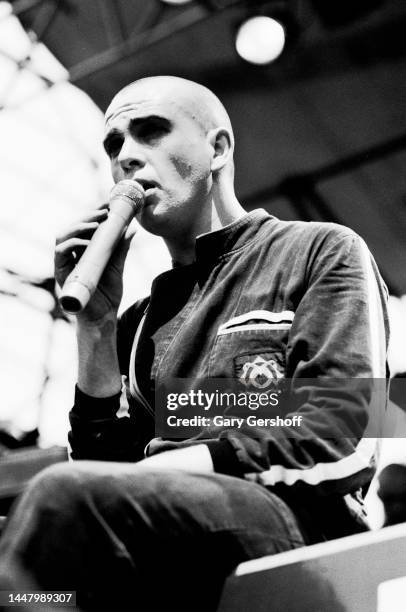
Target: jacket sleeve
108, 429
336, 375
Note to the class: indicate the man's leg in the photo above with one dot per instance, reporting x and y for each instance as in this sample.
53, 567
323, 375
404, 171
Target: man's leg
119, 534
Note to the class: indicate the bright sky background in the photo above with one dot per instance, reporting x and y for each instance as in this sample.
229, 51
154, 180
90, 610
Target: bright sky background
52, 168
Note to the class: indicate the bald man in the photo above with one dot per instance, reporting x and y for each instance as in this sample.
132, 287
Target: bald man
250, 299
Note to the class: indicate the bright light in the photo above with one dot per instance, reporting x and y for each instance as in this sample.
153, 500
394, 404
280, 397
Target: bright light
260, 40
175, 1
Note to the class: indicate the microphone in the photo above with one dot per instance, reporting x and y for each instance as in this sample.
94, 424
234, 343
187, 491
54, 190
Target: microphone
126, 199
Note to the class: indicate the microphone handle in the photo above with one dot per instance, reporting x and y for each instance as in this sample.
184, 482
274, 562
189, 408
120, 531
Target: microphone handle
81, 283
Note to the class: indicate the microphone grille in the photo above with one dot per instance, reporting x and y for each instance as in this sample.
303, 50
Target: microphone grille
128, 189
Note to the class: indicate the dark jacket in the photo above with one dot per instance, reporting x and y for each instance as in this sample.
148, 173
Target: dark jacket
306, 297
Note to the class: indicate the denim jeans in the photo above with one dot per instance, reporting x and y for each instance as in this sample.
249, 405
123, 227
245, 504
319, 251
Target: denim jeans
129, 538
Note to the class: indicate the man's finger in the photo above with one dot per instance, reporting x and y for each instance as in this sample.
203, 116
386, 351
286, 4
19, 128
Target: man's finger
65, 249
80, 230
96, 214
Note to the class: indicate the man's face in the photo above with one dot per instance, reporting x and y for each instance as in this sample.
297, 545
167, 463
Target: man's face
152, 139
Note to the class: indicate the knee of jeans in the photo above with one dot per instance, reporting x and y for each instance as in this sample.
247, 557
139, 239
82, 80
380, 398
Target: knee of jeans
56, 486
72, 486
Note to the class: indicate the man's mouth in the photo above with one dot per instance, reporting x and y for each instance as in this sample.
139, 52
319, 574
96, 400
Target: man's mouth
148, 186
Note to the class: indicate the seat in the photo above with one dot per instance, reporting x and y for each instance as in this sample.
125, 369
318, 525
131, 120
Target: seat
352, 574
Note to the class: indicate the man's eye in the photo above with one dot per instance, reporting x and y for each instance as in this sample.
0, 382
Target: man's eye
151, 131
113, 146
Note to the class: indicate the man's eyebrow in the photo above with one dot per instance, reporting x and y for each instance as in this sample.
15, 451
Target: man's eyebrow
149, 118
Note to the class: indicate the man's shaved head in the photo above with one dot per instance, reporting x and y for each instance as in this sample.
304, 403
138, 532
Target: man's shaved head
195, 100
175, 137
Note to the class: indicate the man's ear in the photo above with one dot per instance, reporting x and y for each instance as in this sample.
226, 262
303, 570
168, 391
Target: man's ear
221, 141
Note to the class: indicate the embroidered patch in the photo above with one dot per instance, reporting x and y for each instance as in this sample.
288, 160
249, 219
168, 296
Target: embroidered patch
261, 370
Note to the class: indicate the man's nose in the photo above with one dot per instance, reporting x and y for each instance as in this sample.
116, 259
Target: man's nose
131, 156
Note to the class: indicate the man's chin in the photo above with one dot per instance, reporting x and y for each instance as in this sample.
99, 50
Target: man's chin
155, 218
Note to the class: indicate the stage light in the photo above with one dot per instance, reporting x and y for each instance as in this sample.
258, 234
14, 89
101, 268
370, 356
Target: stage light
260, 40
174, 2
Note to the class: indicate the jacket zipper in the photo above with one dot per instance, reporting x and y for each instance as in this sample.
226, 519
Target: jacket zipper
134, 387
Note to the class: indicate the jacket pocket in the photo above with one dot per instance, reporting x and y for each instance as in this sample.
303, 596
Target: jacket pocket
251, 348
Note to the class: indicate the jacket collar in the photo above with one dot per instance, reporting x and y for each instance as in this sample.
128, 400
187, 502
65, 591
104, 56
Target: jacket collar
213, 245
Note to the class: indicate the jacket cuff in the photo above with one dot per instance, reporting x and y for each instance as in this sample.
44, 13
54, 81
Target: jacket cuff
224, 457
87, 406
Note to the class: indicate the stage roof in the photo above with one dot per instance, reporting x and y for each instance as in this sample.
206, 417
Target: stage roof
321, 133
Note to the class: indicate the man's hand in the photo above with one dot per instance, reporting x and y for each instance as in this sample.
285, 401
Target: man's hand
99, 372
190, 459
71, 244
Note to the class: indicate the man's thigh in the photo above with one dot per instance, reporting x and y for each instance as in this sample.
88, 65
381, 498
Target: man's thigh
185, 504
101, 527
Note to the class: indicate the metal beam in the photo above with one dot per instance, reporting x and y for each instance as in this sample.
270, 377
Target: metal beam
137, 42
111, 22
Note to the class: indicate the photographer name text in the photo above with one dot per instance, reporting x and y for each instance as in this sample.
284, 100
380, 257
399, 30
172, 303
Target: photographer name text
238, 422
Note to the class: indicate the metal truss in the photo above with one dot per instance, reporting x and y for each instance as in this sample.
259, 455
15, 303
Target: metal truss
156, 22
